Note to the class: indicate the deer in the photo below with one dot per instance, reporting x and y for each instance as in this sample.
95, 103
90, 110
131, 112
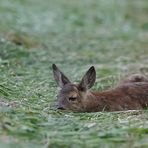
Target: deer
130, 94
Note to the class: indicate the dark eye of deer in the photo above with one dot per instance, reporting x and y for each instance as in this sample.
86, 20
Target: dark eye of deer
72, 99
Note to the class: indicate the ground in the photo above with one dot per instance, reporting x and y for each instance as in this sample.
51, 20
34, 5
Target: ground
74, 34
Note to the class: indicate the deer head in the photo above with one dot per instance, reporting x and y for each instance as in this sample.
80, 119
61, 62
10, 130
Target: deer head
73, 96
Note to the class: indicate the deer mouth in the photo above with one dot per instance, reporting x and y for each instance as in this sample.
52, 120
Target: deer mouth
60, 108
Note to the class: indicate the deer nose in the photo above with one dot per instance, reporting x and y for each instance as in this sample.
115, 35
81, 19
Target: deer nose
61, 108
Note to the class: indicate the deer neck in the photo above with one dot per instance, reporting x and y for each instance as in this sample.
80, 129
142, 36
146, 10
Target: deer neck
95, 101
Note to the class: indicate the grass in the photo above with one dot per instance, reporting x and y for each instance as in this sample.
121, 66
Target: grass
111, 35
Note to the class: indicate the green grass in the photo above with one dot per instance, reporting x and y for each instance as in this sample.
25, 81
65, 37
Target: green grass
112, 35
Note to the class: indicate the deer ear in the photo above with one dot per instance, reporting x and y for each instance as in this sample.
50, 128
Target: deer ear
88, 80
60, 78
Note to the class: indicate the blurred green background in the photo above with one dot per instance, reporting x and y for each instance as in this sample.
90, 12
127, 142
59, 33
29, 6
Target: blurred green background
112, 35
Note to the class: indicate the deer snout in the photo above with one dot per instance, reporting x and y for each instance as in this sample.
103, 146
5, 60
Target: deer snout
61, 108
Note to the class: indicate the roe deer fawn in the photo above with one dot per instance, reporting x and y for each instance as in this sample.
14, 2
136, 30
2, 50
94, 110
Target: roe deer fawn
130, 94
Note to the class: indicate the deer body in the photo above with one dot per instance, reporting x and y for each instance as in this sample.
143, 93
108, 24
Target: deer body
130, 94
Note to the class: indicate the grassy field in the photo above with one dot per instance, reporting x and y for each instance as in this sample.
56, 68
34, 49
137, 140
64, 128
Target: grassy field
112, 35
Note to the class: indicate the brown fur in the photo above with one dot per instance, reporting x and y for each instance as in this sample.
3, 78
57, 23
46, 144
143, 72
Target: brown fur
130, 94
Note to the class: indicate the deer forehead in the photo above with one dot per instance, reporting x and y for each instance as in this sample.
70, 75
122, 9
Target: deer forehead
69, 89
73, 94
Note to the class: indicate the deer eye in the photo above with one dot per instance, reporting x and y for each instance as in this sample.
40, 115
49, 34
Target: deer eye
72, 98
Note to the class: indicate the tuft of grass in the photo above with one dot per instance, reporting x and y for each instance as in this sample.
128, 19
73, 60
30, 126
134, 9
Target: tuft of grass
111, 35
